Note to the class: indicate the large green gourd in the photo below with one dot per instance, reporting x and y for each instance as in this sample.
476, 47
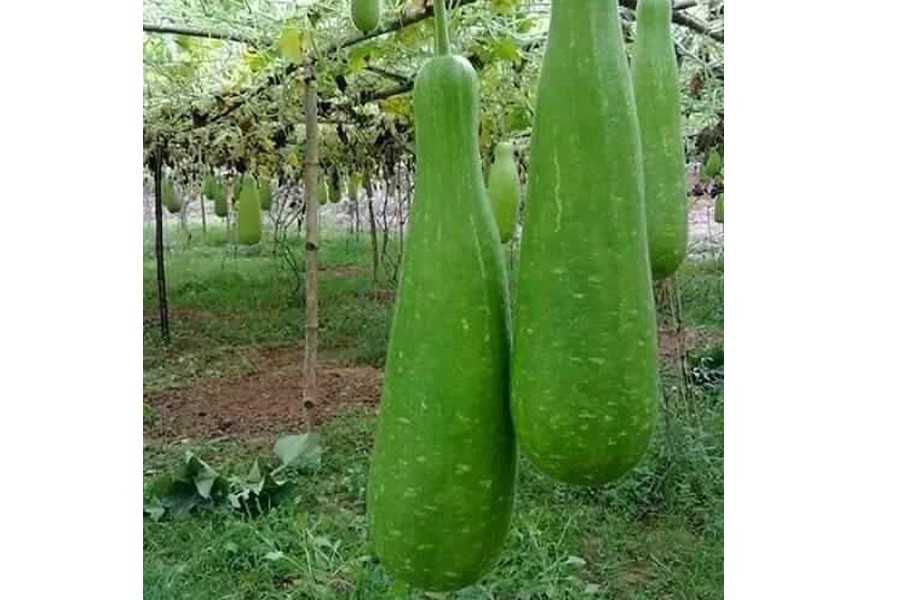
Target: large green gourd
171, 200
249, 215
220, 201
353, 186
443, 472
584, 379
503, 189
719, 210
366, 14
657, 93
265, 194
713, 167
334, 192
208, 189
323, 193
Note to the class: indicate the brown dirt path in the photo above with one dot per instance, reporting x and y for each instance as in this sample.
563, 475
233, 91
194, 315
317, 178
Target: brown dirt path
267, 402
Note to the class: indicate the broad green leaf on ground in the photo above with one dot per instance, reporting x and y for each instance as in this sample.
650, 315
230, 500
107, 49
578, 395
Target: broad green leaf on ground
304, 449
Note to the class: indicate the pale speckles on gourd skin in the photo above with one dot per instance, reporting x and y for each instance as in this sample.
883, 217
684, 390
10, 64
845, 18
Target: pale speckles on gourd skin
454, 385
587, 360
657, 94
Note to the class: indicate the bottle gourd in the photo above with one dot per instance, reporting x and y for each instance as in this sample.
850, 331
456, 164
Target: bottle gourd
657, 93
322, 192
249, 216
209, 187
334, 181
366, 14
441, 487
220, 201
265, 193
171, 200
713, 167
503, 189
584, 379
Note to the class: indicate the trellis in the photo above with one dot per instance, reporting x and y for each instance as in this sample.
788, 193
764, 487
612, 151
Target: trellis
229, 103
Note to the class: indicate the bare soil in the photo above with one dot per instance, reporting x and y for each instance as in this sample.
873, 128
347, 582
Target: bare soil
265, 403
269, 401
692, 338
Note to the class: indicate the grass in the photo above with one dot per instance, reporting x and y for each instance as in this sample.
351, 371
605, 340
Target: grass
655, 534
221, 300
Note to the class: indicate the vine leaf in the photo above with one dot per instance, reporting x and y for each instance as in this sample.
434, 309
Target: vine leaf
289, 45
503, 6
507, 49
304, 449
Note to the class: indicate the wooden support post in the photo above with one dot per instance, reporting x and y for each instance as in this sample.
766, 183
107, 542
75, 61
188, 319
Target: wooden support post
312, 240
160, 248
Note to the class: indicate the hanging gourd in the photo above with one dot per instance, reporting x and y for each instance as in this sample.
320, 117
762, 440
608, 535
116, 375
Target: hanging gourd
366, 14
657, 94
353, 186
209, 187
171, 200
334, 179
249, 216
713, 167
441, 487
719, 211
503, 190
322, 191
220, 202
265, 193
584, 371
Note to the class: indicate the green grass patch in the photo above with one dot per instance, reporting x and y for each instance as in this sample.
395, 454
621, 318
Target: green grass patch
223, 298
657, 533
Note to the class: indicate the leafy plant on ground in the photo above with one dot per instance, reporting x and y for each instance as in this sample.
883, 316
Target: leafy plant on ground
196, 485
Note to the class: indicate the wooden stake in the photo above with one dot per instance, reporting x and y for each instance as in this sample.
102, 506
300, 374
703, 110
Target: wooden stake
312, 241
160, 248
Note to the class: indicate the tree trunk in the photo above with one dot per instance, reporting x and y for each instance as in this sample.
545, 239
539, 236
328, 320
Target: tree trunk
312, 241
160, 249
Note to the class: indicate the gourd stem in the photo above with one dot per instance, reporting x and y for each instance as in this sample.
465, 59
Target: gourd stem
441, 29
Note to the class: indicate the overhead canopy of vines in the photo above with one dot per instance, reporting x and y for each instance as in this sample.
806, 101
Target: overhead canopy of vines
223, 87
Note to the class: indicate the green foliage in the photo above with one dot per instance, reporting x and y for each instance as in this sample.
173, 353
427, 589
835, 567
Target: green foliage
222, 300
195, 485
657, 533
289, 45
193, 77
564, 542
